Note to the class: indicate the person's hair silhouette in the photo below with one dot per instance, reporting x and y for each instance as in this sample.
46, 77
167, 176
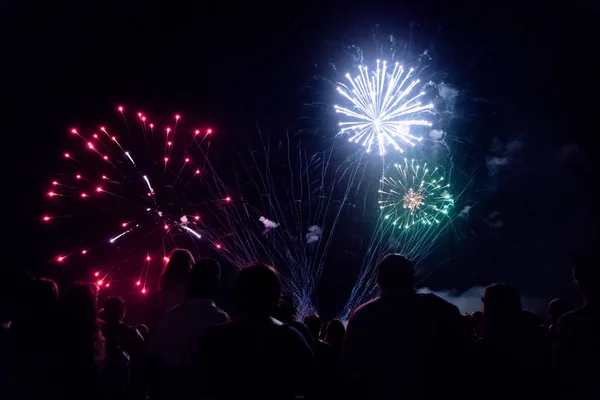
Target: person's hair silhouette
177, 269
313, 323
396, 272
335, 333
256, 290
203, 281
114, 309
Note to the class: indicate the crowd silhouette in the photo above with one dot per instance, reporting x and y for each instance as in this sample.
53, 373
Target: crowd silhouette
401, 345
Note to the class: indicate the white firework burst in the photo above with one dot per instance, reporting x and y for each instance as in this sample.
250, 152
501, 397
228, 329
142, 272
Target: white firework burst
384, 109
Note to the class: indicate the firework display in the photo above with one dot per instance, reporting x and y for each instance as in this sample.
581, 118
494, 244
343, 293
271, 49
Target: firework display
415, 195
147, 191
385, 107
135, 185
140, 189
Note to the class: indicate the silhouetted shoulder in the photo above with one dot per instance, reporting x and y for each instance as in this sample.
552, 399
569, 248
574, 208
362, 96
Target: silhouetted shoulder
568, 318
583, 315
439, 303
223, 316
293, 333
173, 311
366, 308
217, 331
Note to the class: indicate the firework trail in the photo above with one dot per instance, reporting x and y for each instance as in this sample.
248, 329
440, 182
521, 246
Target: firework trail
284, 213
130, 197
415, 209
385, 108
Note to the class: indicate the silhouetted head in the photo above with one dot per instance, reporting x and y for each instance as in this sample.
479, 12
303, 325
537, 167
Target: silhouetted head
204, 278
396, 272
36, 306
587, 278
335, 333
501, 307
80, 327
42, 295
46, 291
286, 311
556, 309
114, 309
177, 270
323, 331
478, 317
256, 290
80, 301
313, 323
469, 323
13, 286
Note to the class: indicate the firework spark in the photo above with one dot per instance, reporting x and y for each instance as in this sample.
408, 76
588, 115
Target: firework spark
288, 221
384, 108
415, 195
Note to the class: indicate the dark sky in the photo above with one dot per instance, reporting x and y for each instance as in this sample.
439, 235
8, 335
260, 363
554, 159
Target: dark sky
526, 72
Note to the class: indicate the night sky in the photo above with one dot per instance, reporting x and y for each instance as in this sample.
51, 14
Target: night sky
526, 73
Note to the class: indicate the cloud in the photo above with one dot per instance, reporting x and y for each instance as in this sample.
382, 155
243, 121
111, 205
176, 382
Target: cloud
268, 224
464, 213
494, 162
497, 224
313, 234
568, 151
470, 300
514, 146
447, 92
436, 134
502, 155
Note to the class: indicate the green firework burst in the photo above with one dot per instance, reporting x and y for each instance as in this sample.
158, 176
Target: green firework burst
415, 195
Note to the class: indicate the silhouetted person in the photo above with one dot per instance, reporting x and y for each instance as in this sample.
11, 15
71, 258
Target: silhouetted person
323, 331
470, 326
174, 345
80, 345
13, 288
30, 345
556, 309
577, 349
324, 355
510, 359
395, 345
123, 365
334, 335
313, 323
256, 356
478, 317
125, 336
172, 286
